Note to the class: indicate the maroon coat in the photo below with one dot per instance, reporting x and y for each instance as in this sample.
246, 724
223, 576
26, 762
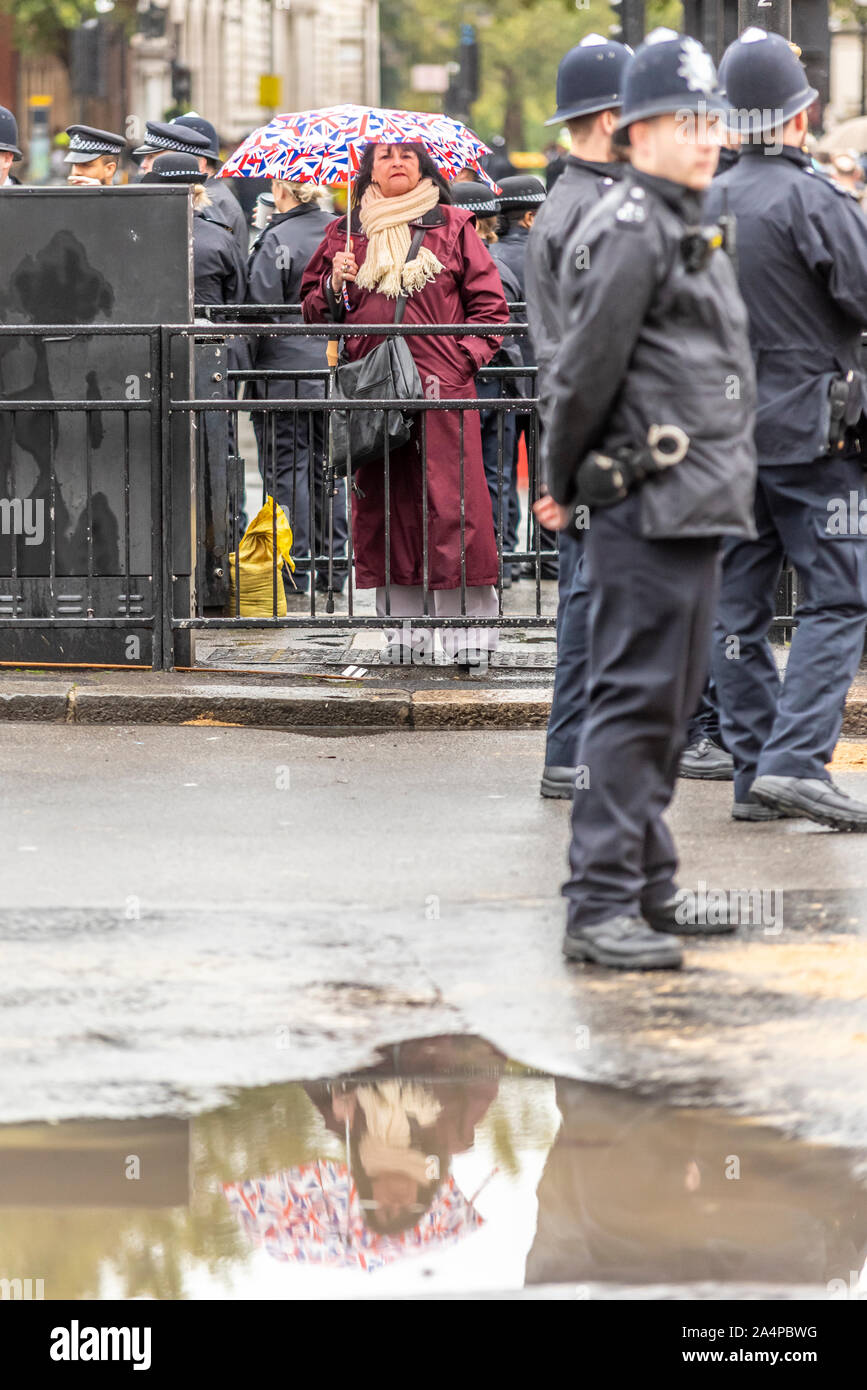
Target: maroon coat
468, 289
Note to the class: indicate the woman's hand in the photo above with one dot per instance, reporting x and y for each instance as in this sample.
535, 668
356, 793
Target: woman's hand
550, 514
343, 268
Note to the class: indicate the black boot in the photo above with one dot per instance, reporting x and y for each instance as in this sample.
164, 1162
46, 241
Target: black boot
706, 761
558, 782
811, 797
623, 943
676, 917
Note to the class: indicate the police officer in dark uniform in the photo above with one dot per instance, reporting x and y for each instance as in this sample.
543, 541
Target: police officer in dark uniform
219, 273
219, 190
802, 265
520, 198
498, 426
9, 151
94, 155
277, 263
705, 759
654, 329
589, 88
165, 137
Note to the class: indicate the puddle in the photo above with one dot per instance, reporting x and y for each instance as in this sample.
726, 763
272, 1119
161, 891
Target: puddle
444, 1168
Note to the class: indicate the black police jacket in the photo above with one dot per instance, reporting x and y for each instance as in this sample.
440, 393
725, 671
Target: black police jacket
510, 252
577, 190
217, 265
510, 354
230, 211
649, 340
277, 263
802, 266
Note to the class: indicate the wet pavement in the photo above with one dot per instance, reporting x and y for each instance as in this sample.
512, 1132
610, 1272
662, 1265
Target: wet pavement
196, 922
442, 1168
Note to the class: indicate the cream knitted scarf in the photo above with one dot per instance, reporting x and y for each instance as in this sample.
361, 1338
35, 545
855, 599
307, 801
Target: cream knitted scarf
386, 226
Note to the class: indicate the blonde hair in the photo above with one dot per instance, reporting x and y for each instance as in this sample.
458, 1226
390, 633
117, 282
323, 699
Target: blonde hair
301, 192
201, 199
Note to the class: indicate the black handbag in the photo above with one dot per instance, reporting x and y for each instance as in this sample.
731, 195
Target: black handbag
387, 373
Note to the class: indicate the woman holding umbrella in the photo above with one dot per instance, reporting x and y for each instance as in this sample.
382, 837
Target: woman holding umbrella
452, 280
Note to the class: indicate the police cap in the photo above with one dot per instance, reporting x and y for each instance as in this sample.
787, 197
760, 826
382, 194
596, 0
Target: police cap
166, 135
590, 78
86, 143
193, 121
9, 133
520, 192
766, 83
476, 197
670, 72
174, 168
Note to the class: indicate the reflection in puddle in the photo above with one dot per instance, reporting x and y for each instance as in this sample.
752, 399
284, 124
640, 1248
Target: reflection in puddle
443, 1167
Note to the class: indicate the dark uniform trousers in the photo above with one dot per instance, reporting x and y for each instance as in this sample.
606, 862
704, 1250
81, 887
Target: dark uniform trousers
299, 441
498, 486
651, 615
569, 701
790, 729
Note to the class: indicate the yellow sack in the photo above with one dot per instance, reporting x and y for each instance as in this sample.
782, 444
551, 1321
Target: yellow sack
256, 553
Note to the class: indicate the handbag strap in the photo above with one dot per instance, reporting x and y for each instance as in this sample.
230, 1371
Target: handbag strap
411, 254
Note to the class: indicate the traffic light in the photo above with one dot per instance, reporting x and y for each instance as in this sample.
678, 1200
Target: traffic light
182, 84
87, 60
464, 85
629, 26
469, 63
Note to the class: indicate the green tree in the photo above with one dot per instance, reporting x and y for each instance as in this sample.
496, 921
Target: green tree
41, 26
520, 45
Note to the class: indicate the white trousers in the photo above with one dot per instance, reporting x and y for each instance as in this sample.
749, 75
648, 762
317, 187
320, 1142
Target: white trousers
407, 601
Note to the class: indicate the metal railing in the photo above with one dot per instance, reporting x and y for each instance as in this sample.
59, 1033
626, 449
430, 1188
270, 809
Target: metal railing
321, 562
129, 566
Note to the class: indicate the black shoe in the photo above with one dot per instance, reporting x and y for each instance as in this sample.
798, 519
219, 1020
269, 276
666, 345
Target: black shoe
676, 917
754, 810
528, 571
623, 943
472, 658
338, 583
811, 797
558, 782
706, 761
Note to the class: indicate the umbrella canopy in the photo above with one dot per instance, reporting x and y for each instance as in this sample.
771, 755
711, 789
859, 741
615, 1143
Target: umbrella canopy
312, 1214
848, 135
326, 146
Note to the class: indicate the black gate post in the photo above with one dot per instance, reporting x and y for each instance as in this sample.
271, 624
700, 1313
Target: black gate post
773, 15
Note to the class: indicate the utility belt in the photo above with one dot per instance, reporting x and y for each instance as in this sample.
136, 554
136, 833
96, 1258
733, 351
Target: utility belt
605, 479
844, 412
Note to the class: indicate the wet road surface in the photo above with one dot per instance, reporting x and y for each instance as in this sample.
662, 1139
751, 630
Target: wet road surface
442, 1168
190, 910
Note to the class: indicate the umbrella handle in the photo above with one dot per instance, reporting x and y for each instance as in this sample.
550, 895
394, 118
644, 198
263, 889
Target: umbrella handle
332, 352
349, 208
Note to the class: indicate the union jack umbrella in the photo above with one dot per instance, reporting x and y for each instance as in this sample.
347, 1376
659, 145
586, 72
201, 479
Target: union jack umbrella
326, 146
312, 1215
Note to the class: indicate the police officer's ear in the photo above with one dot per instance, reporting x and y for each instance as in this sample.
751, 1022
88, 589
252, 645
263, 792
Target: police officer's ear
608, 122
